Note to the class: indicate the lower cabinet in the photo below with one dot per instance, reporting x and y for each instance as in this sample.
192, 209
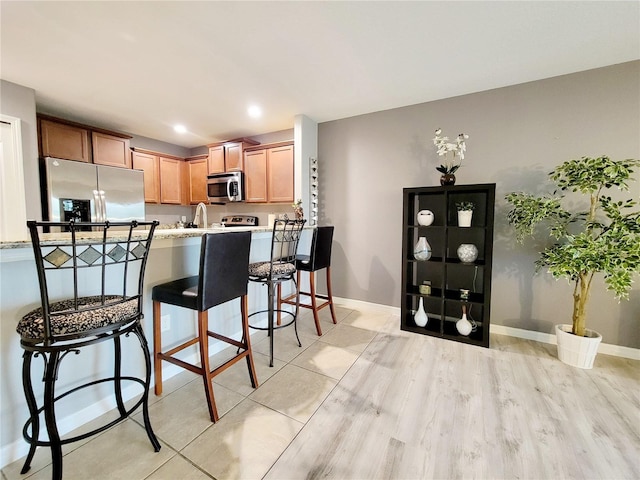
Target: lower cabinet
269, 174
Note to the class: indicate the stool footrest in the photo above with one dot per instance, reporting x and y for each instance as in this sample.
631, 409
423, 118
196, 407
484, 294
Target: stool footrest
275, 327
64, 441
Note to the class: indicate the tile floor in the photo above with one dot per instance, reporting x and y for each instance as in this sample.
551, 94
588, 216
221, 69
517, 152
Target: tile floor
256, 426
368, 401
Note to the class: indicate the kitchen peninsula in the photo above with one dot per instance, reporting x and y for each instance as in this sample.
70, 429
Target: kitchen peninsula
174, 254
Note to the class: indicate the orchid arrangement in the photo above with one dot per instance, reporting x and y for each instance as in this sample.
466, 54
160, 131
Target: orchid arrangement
453, 153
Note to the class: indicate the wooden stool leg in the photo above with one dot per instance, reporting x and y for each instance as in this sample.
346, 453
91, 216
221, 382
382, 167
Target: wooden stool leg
314, 304
203, 337
246, 339
157, 348
333, 313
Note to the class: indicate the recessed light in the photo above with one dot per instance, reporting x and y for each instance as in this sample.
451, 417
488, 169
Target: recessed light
180, 129
254, 111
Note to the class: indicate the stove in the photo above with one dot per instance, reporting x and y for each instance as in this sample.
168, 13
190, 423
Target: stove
239, 221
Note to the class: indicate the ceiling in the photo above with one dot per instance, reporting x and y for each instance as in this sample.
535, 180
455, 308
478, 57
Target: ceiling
141, 67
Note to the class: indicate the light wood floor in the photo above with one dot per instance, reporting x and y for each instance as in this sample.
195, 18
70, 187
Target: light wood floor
367, 401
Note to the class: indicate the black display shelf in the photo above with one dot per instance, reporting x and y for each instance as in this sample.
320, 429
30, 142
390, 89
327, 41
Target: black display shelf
448, 276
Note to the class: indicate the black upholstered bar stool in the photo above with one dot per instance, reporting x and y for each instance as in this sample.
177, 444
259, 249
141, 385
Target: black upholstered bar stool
224, 260
104, 270
281, 267
319, 257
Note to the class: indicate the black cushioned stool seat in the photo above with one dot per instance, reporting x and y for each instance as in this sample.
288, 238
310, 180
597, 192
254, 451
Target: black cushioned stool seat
319, 258
223, 276
103, 273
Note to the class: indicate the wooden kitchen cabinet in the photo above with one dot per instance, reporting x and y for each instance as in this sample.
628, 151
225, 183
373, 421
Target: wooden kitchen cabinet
233, 157
228, 156
280, 174
196, 180
170, 180
269, 174
74, 141
255, 176
65, 141
149, 164
215, 161
111, 150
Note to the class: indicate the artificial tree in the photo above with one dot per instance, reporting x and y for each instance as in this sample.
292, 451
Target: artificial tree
602, 237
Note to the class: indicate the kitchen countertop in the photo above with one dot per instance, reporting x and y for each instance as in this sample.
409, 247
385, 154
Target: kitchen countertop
159, 234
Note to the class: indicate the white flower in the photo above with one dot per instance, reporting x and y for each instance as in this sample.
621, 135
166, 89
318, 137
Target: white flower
444, 147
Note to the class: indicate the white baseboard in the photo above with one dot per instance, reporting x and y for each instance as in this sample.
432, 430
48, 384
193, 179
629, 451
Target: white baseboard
605, 348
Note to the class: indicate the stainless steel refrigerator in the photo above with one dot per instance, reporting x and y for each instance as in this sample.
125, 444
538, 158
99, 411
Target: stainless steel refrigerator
88, 192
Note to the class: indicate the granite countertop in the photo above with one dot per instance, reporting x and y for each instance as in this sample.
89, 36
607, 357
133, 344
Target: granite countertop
160, 233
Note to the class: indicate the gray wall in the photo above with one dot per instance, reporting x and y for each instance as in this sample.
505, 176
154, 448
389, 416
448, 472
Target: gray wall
516, 135
20, 102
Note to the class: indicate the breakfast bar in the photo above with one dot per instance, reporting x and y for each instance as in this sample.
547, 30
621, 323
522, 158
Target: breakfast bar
174, 254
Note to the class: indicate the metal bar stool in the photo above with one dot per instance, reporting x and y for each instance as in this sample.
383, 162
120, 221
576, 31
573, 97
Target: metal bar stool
281, 267
105, 270
318, 258
224, 260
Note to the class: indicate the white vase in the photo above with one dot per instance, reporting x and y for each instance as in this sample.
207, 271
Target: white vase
463, 325
467, 252
464, 218
577, 351
420, 318
425, 217
422, 249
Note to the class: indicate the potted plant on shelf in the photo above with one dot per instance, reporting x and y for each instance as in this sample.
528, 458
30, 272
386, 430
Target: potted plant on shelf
603, 237
453, 154
465, 213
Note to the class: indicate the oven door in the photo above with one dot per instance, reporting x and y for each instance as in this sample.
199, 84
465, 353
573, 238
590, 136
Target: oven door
225, 187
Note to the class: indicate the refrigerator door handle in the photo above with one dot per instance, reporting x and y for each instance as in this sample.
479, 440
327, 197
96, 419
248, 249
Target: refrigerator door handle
103, 204
96, 202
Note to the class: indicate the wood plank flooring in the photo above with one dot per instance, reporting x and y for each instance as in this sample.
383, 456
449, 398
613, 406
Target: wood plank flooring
415, 407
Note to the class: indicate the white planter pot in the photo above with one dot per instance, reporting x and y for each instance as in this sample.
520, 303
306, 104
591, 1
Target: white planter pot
464, 218
577, 351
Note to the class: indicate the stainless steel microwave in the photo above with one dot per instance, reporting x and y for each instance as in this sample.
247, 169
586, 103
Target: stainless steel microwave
225, 187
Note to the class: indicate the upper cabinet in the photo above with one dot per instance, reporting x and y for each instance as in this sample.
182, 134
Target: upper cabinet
269, 174
73, 141
163, 176
228, 156
110, 150
63, 141
215, 162
148, 163
170, 180
195, 181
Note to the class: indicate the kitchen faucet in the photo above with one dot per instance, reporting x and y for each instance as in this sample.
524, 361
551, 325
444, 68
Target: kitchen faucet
201, 207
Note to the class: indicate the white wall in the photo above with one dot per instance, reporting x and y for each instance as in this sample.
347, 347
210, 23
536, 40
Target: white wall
516, 135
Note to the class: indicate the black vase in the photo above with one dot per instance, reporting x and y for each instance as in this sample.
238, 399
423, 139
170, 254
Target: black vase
447, 179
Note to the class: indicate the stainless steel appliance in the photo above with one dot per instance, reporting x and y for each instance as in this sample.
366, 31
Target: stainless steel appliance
225, 187
239, 221
88, 192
